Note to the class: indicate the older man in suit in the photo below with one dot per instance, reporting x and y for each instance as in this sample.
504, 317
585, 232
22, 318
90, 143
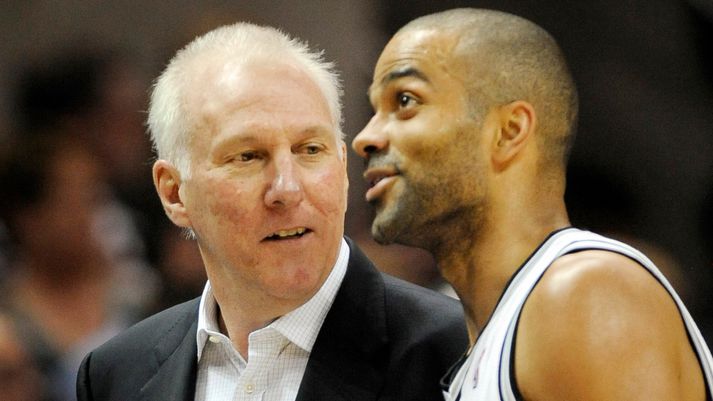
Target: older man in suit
252, 164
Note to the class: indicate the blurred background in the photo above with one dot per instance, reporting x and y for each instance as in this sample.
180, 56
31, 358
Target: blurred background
85, 249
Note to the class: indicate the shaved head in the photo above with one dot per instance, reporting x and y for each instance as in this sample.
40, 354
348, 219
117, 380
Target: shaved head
509, 58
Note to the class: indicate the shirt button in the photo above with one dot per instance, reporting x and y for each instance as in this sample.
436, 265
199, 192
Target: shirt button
249, 388
214, 339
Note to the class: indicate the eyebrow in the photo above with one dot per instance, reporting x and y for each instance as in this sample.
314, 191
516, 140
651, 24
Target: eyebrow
253, 136
401, 73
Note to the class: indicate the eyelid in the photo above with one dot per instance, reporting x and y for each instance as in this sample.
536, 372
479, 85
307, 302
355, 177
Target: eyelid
248, 153
238, 156
307, 146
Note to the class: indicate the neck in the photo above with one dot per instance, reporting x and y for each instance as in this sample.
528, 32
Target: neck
242, 311
486, 254
237, 322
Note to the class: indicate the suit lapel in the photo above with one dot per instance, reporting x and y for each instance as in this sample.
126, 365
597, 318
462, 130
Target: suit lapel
176, 358
349, 359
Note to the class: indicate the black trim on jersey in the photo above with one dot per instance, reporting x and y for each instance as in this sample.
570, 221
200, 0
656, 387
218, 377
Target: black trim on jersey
513, 382
447, 379
450, 375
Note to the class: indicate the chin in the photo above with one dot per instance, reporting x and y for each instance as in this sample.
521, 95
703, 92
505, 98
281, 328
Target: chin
383, 232
388, 226
378, 235
299, 285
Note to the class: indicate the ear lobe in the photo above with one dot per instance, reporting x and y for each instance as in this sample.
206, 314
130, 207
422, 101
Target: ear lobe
517, 126
167, 181
343, 147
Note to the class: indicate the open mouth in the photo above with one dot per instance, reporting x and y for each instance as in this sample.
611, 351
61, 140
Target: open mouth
288, 234
375, 176
378, 172
375, 181
378, 180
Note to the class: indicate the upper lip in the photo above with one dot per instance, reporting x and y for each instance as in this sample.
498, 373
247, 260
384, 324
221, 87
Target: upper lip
376, 174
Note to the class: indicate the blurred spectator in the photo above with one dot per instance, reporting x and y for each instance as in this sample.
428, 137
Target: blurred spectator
19, 377
180, 268
99, 97
65, 292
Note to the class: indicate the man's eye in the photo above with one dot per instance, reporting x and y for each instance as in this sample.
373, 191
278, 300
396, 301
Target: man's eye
247, 156
404, 100
311, 149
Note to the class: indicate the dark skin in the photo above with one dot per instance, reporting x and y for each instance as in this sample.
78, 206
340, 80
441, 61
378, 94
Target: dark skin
586, 331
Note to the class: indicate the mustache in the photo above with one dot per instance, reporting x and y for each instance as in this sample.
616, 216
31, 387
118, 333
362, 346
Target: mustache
381, 160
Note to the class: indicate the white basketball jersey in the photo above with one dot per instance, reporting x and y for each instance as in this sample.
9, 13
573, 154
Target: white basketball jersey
486, 372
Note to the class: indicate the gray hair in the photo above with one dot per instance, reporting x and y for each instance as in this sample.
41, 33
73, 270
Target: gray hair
168, 122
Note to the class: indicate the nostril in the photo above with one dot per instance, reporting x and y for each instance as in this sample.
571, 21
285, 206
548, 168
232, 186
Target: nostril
369, 149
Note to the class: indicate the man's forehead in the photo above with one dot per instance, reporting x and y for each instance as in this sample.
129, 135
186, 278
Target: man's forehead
224, 86
415, 53
421, 44
213, 84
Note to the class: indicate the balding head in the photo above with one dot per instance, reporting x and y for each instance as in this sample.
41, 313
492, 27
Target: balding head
508, 58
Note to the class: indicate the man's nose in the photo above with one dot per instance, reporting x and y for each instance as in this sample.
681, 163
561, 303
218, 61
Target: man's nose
285, 188
370, 140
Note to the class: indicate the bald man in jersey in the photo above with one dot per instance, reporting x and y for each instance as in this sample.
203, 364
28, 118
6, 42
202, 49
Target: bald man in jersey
475, 113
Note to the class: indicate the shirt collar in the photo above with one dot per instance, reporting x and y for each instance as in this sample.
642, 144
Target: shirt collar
300, 326
207, 318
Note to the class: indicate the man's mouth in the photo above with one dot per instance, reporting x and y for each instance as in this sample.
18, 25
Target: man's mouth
375, 181
287, 234
378, 180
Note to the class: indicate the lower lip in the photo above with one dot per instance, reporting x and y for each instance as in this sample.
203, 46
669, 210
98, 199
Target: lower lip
378, 190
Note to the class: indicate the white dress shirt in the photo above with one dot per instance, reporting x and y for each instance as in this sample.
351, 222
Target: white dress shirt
277, 354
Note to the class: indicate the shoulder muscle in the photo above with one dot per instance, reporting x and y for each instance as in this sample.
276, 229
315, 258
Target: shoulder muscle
599, 326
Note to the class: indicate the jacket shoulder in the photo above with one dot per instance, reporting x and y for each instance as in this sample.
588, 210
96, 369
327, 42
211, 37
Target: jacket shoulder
420, 305
144, 336
427, 333
123, 366
418, 316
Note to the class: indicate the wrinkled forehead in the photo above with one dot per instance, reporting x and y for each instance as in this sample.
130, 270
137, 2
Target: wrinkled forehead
430, 51
426, 54
218, 82
220, 91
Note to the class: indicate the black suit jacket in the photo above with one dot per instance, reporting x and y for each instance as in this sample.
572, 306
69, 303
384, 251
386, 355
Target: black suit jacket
383, 339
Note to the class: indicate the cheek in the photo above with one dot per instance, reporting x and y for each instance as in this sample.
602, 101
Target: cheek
328, 190
225, 203
419, 138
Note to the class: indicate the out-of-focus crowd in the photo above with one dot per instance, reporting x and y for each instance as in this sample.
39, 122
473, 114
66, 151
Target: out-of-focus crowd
85, 249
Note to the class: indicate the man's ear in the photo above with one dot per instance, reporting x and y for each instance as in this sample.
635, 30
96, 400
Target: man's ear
516, 130
167, 180
343, 146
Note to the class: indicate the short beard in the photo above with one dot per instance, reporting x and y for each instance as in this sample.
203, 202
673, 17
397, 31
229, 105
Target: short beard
427, 215
406, 221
